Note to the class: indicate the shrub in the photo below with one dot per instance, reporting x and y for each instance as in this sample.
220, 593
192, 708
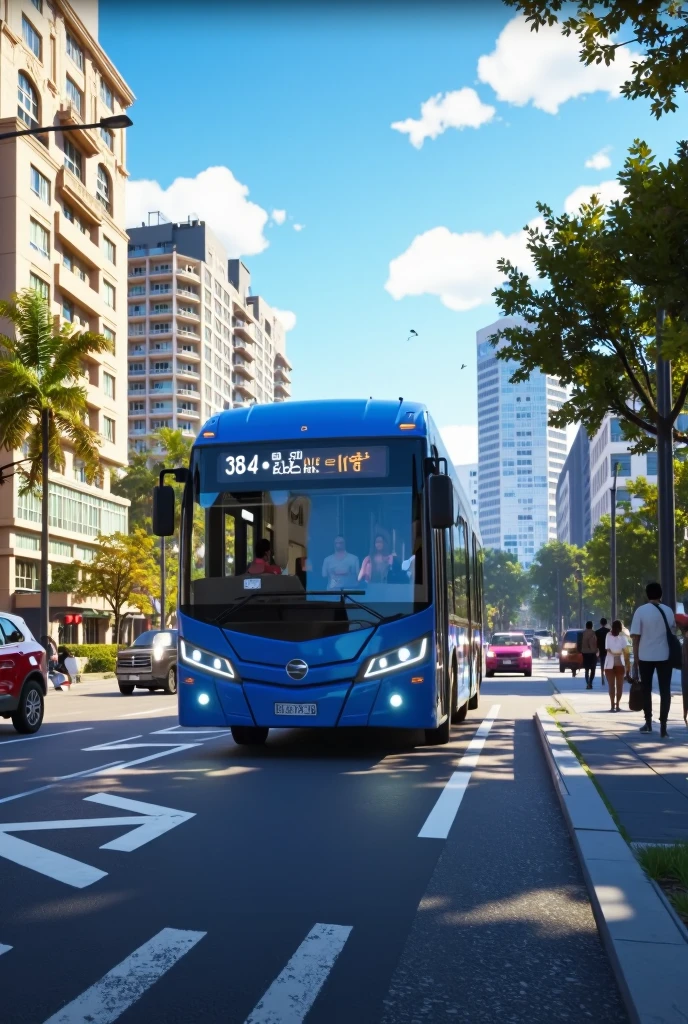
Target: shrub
101, 663
101, 657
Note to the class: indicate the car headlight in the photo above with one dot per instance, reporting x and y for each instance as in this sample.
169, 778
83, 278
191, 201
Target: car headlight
564, 654
158, 652
490, 652
527, 654
214, 663
399, 657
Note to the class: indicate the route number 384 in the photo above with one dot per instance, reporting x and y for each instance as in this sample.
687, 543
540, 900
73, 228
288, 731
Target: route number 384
237, 466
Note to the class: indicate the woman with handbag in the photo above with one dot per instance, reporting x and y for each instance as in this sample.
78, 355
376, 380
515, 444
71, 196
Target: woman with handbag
616, 663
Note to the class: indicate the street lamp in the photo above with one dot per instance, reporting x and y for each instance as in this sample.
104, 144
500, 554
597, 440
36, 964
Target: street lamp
112, 121
612, 544
665, 472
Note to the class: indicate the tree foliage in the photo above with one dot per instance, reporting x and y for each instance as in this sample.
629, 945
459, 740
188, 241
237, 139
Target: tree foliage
590, 321
553, 576
661, 29
506, 586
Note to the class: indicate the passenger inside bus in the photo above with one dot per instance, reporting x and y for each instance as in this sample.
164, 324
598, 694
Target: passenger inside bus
340, 569
376, 565
261, 562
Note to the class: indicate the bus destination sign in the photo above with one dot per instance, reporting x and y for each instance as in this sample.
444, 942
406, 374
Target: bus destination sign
279, 462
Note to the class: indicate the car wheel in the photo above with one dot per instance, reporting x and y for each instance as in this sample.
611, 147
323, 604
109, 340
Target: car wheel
250, 735
527, 674
488, 675
171, 682
561, 667
29, 715
126, 689
573, 672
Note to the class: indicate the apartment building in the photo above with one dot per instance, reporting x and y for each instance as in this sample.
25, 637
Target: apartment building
520, 456
608, 447
199, 342
573, 493
63, 233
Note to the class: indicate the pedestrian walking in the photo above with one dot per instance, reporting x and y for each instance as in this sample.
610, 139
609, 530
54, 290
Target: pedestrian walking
616, 663
650, 629
589, 652
682, 623
601, 635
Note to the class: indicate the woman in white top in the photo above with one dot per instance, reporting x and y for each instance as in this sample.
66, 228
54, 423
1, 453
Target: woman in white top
617, 662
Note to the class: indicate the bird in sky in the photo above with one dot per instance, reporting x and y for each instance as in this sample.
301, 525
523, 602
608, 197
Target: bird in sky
412, 334
463, 366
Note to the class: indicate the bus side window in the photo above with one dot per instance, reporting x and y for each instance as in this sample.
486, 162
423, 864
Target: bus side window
229, 545
448, 547
460, 569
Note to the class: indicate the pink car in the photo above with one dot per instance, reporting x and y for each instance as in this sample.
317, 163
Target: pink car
509, 652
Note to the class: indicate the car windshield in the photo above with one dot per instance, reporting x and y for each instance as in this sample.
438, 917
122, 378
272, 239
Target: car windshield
305, 542
571, 636
542, 632
508, 640
164, 637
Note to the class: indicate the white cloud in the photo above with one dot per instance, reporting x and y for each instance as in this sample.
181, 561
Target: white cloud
215, 196
459, 268
287, 318
462, 108
544, 68
606, 191
279, 216
462, 443
298, 227
599, 160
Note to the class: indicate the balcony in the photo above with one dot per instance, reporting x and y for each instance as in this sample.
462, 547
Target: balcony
137, 350
161, 371
281, 390
163, 330
186, 313
192, 392
79, 197
240, 309
189, 275
243, 368
161, 348
161, 387
281, 376
160, 289
77, 241
282, 361
242, 388
85, 138
191, 414
184, 332
136, 312
186, 370
187, 293
189, 351
141, 251
242, 349
162, 270
243, 329
80, 291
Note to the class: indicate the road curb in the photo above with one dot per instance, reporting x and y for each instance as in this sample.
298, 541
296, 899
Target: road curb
648, 953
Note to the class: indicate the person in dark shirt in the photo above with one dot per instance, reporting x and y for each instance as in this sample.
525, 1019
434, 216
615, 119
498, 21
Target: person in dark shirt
601, 635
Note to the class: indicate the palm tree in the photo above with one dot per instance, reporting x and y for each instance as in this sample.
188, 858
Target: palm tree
43, 401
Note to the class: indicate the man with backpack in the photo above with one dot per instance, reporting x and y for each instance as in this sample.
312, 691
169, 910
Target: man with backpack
651, 632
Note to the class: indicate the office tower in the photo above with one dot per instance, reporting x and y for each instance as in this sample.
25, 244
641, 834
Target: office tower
199, 342
573, 493
608, 447
63, 233
519, 455
468, 477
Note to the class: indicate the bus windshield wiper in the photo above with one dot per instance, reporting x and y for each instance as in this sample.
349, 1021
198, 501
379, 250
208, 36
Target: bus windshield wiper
228, 613
350, 595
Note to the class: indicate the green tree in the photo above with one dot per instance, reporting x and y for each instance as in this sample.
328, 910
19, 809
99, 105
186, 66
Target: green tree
506, 586
553, 576
661, 29
124, 572
590, 320
171, 448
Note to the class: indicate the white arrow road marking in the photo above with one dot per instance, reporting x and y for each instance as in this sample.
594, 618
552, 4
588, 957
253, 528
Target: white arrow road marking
151, 820
294, 991
4, 949
441, 817
107, 1000
124, 744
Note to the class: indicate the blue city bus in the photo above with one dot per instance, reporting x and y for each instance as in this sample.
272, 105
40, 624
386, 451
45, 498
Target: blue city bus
330, 572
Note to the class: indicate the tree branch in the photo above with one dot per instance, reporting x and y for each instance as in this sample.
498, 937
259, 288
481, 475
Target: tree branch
680, 401
646, 399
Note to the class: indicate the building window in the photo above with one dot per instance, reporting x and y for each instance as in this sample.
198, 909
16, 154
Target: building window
68, 310
75, 52
40, 185
74, 95
31, 37
39, 285
27, 109
106, 94
652, 463
70, 262
73, 159
107, 137
26, 575
108, 428
109, 249
616, 430
103, 193
40, 238
109, 294
38, 4
109, 385
110, 335
624, 462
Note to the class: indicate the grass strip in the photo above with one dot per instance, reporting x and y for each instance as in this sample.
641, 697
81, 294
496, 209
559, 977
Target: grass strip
668, 866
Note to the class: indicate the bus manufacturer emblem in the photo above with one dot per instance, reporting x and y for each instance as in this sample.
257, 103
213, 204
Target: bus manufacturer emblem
297, 669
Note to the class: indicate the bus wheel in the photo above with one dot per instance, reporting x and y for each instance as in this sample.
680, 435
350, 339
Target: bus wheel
460, 715
436, 737
249, 734
474, 701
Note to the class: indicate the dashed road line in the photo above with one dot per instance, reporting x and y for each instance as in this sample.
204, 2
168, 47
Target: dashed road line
294, 991
45, 735
124, 985
441, 817
150, 711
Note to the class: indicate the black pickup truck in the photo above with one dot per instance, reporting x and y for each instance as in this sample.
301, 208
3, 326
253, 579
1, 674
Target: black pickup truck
150, 663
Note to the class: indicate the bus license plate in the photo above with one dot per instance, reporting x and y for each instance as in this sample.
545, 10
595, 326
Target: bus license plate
296, 709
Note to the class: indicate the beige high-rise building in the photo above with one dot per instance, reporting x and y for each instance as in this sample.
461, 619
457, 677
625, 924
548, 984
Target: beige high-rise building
62, 218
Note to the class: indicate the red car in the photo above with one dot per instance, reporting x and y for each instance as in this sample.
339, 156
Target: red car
508, 652
23, 674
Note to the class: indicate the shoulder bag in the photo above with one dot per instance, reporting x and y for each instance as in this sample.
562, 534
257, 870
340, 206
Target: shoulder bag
635, 695
675, 650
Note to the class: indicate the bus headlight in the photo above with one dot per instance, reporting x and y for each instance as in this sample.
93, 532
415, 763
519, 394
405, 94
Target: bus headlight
214, 663
399, 657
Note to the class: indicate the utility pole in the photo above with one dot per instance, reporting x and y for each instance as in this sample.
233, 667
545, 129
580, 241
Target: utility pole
162, 583
612, 545
44, 626
559, 630
665, 473
580, 600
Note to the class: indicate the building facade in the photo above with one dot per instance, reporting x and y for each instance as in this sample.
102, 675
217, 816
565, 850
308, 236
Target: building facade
468, 476
63, 225
520, 457
573, 493
198, 340
608, 447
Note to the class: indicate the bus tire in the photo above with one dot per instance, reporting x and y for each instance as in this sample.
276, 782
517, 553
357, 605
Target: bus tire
440, 735
251, 735
460, 714
474, 701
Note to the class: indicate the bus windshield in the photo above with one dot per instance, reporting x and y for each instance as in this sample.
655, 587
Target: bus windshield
333, 544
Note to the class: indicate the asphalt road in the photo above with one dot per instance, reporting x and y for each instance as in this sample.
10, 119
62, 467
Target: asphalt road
328, 878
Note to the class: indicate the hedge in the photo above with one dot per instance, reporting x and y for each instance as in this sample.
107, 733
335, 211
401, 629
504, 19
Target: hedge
101, 657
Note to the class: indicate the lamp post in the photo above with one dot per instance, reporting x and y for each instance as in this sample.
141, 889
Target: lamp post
612, 545
163, 570
665, 473
113, 121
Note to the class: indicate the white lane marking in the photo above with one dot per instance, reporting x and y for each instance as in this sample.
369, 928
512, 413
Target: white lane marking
114, 743
294, 991
441, 817
46, 735
142, 760
121, 987
150, 711
59, 778
183, 730
4, 949
151, 821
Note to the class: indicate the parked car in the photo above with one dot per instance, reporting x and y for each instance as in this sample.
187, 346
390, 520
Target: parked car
544, 643
23, 674
508, 652
570, 656
150, 663
529, 634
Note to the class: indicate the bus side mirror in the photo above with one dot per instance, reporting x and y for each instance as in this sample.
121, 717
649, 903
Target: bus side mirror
441, 494
163, 510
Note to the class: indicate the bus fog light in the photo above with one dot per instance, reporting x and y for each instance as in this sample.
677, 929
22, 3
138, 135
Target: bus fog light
395, 700
203, 698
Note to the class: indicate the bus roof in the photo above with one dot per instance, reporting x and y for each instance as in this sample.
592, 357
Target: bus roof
321, 419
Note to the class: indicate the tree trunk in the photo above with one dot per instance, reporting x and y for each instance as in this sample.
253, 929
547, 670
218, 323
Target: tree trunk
116, 629
44, 626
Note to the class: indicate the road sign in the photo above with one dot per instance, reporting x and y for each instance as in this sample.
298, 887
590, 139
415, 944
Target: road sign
149, 821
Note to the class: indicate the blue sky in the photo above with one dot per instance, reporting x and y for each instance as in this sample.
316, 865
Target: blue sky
298, 102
